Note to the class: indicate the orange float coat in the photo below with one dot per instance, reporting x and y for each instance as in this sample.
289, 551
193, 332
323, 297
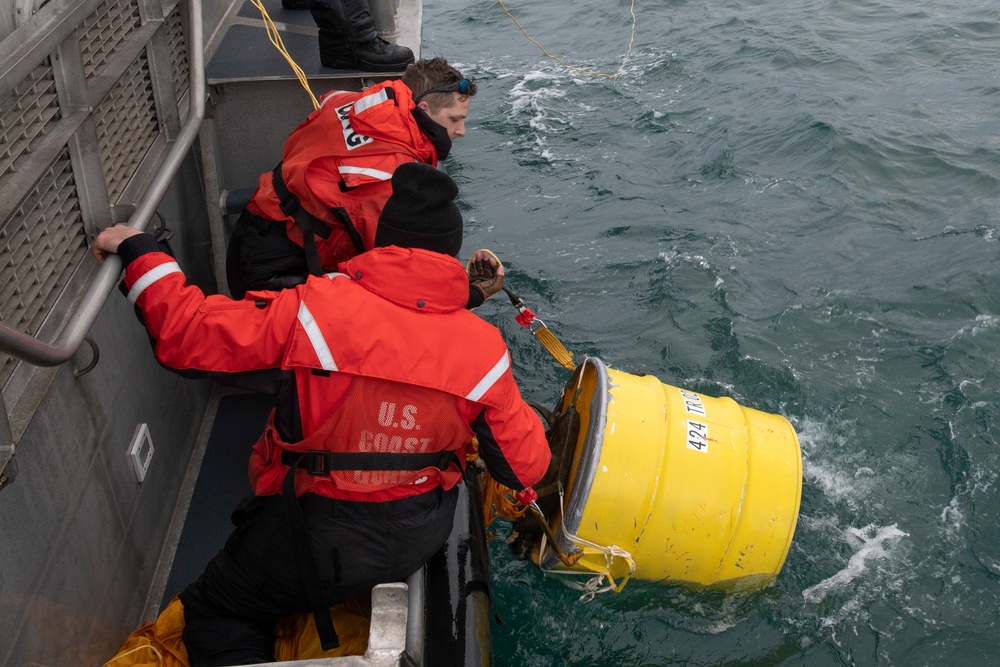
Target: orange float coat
343, 157
386, 359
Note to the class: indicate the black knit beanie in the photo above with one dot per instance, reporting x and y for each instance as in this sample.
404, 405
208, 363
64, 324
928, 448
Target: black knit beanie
421, 212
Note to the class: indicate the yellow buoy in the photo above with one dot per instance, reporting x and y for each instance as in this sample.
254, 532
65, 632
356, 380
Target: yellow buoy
687, 488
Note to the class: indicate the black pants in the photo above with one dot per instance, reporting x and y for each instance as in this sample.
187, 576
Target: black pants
229, 613
261, 256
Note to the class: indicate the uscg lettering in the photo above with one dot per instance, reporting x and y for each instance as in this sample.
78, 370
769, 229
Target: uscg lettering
351, 138
394, 444
387, 412
393, 418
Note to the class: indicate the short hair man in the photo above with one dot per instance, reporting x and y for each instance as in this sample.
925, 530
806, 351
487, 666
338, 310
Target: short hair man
321, 205
393, 377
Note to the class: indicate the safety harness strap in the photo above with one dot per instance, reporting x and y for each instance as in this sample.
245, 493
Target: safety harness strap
310, 225
341, 214
321, 462
308, 570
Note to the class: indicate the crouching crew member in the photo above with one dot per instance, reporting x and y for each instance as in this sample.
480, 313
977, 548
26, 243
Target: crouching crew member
355, 474
320, 205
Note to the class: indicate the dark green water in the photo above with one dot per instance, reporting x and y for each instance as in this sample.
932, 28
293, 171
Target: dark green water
793, 204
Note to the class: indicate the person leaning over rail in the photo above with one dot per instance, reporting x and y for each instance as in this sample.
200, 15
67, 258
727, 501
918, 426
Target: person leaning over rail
392, 379
320, 205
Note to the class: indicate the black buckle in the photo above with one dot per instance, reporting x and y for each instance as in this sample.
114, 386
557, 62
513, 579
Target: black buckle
317, 462
289, 206
288, 202
445, 459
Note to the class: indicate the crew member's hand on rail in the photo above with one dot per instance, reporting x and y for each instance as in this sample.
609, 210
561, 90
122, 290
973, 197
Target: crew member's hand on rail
109, 239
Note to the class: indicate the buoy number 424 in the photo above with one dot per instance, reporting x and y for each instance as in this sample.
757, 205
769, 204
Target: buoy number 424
697, 436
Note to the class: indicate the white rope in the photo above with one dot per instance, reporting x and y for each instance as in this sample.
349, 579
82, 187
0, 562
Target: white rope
617, 74
593, 585
144, 647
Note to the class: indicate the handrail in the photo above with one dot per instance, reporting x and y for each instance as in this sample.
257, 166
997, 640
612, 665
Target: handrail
34, 351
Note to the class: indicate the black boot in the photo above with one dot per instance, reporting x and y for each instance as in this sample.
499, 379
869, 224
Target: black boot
295, 4
348, 39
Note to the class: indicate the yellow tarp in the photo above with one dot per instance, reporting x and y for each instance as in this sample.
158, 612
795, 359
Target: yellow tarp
159, 643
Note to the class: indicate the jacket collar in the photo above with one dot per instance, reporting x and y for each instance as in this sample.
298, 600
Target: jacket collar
393, 122
413, 278
434, 131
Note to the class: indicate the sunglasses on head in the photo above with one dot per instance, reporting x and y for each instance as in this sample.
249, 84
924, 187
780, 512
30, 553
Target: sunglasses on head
460, 87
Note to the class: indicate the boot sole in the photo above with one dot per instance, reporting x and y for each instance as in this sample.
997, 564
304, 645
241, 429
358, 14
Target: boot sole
382, 67
352, 64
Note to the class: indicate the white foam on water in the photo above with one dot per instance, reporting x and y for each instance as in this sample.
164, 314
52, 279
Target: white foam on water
981, 324
872, 543
827, 473
953, 518
668, 257
984, 479
531, 97
674, 257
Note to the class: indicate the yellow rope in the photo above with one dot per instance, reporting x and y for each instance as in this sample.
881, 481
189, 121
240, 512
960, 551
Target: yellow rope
577, 69
499, 501
555, 347
275, 37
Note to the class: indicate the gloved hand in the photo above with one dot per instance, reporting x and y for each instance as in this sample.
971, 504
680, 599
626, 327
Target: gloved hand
486, 273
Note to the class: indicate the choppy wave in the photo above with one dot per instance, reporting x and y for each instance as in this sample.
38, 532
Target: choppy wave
794, 205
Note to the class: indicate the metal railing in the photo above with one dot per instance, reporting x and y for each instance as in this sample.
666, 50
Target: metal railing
34, 351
